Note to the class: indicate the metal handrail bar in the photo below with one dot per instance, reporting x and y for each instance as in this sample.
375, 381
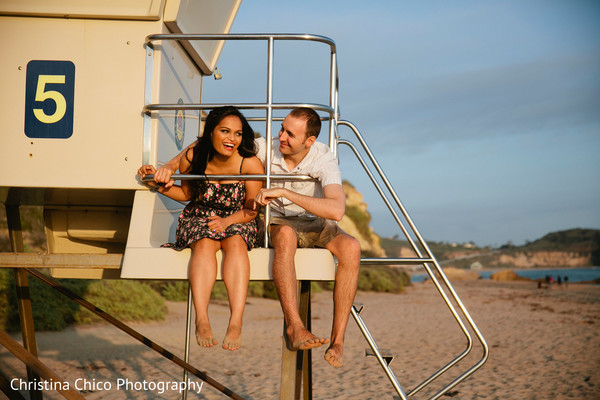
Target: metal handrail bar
250, 177
242, 36
426, 265
424, 262
242, 106
393, 261
135, 334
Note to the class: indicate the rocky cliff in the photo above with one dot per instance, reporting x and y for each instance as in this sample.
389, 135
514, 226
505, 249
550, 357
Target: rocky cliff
532, 259
356, 223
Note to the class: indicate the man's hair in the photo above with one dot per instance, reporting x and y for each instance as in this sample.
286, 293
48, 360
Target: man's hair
313, 121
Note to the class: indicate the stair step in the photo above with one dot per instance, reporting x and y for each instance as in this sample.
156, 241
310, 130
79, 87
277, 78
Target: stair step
358, 307
386, 354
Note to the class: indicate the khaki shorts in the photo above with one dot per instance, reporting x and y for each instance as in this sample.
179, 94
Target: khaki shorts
311, 232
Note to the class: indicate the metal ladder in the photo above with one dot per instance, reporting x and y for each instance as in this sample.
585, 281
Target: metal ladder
427, 260
424, 255
385, 358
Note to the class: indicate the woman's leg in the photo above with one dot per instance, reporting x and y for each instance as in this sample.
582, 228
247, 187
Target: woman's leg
202, 275
236, 275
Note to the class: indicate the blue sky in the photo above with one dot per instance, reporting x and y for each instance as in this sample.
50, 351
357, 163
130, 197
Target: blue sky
485, 115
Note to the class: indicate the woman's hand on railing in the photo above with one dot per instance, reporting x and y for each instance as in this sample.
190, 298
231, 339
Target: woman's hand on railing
163, 175
146, 170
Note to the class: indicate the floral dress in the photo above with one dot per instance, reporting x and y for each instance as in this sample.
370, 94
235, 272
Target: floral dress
220, 199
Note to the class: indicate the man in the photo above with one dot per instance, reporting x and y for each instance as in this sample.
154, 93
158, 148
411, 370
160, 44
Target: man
303, 214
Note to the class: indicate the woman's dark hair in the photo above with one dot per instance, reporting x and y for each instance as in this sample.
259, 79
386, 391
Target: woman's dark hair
204, 150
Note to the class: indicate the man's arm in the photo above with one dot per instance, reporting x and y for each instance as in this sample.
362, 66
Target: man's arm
331, 206
163, 174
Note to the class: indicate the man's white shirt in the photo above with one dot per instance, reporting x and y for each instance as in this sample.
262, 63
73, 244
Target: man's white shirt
319, 163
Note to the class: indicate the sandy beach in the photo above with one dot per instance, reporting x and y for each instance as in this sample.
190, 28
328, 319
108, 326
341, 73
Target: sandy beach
544, 344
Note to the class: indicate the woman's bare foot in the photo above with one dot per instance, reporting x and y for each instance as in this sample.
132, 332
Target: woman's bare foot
333, 355
233, 338
301, 339
204, 335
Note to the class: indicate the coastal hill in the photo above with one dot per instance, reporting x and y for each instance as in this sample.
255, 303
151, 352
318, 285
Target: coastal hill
569, 248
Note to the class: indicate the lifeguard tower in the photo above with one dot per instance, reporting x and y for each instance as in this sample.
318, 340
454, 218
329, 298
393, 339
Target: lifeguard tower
95, 89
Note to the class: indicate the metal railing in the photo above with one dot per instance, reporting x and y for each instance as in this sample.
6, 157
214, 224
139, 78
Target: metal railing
427, 261
268, 105
424, 254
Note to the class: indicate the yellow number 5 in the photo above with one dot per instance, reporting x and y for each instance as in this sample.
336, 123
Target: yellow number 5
41, 94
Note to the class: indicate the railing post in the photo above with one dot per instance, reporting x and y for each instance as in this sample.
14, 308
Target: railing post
269, 131
186, 352
147, 153
333, 102
13, 218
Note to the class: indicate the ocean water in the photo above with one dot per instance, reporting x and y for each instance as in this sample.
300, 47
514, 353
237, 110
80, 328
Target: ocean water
574, 274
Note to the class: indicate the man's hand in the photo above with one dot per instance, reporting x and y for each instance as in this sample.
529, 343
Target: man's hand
265, 196
163, 175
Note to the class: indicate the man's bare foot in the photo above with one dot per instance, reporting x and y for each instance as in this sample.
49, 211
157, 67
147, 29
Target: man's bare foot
233, 338
302, 339
204, 336
333, 355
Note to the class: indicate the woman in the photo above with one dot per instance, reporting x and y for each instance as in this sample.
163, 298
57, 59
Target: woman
220, 215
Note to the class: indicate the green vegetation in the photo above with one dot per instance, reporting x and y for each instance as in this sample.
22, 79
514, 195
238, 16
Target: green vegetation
575, 240
32, 225
382, 279
125, 300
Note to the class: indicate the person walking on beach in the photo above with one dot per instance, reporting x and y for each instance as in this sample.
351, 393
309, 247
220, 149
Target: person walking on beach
304, 215
220, 215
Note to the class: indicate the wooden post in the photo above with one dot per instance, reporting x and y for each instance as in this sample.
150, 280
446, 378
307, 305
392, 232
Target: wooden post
13, 218
295, 365
306, 355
